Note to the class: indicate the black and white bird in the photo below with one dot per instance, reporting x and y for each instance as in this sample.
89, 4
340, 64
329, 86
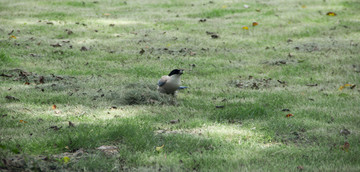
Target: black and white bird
168, 84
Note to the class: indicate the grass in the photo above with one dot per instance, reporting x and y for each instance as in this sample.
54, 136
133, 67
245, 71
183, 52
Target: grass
297, 58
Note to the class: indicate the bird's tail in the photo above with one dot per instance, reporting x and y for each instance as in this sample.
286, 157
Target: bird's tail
182, 87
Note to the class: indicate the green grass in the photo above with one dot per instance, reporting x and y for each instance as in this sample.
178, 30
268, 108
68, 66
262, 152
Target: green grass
109, 91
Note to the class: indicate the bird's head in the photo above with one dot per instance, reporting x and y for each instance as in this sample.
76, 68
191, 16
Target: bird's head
176, 72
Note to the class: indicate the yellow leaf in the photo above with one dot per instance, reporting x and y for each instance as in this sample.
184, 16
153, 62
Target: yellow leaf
159, 148
66, 159
224, 6
331, 14
13, 37
245, 27
347, 85
341, 87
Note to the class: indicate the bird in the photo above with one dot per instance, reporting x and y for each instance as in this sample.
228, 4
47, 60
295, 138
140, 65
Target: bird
169, 84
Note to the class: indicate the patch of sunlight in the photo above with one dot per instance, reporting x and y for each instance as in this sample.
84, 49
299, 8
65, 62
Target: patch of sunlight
123, 112
115, 22
22, 21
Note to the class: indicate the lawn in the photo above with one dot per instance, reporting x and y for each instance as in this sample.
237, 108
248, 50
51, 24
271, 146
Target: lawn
273, 85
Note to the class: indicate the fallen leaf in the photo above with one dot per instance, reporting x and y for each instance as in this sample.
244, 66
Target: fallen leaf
224, 6
83, 48
159, 148
142, 51
6, 75
202, 20
22, 121
12, 31
245, 27
27, 83
108, 149
41, 79
341, 87
175, 121
345, 132
303, 6
107, 14
255, 23
66, 159
289, 115
71, 124
331, 14
12, 37
53, 106
56, 45
214, 36
56, 128
11, 98
345, 147
300, 167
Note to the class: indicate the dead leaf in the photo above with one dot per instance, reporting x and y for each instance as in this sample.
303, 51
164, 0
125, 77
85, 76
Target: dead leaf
331, 14
55, 128
202, 20
245, 28
22, 121
108, 150
142, 51
175, 121
12, 98
27, 83
41, 79
107, 14
71, 124
83, 48
53, 107
214, 36
56, 45
300, 167
255, 23
159, 148
12, 37
345, 147
345, 132
6, 75
281, 82
12, 31
66, 159
289, 115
